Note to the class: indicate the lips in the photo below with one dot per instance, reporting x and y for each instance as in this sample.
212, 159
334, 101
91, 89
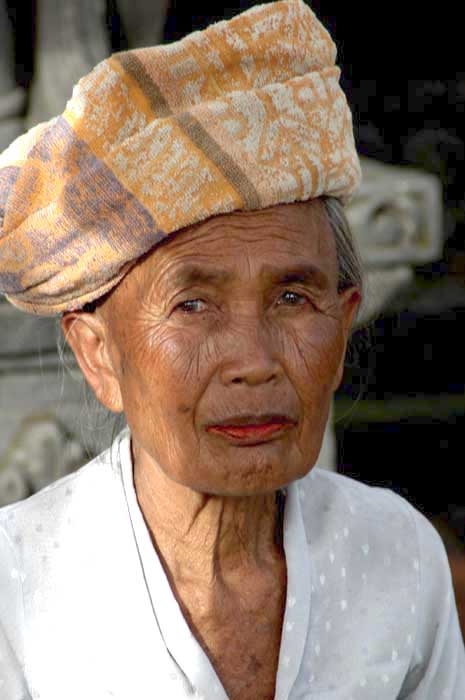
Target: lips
251, 434
252, 419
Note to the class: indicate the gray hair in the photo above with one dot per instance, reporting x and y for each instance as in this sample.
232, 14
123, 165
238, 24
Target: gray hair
351, 274
348, 257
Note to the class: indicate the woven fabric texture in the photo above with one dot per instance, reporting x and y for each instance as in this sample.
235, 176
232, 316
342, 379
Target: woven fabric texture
244, 115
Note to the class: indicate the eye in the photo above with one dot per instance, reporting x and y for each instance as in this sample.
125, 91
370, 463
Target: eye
303, 299
191, 306
187, 306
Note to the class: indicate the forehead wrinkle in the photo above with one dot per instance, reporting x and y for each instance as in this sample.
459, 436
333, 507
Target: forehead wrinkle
288, 216
252, 232
241, 232
233, 243
192, 274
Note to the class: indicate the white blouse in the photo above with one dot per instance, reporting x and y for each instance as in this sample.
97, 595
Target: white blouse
87, 612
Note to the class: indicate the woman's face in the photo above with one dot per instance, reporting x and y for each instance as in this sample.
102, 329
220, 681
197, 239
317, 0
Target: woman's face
238, 314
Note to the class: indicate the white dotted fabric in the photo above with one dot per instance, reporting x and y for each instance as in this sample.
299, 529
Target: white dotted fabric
86, 610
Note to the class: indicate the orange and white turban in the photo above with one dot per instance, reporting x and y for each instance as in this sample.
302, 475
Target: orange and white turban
244, 115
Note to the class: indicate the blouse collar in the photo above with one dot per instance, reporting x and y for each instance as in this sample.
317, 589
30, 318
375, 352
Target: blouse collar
191, 661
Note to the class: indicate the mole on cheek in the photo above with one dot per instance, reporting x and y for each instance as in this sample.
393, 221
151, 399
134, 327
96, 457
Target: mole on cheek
182, 408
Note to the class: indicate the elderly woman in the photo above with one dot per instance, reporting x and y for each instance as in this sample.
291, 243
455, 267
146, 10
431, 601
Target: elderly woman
185, 216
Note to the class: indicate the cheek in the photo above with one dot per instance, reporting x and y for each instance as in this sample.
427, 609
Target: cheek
317, 353
160, 362
164, 359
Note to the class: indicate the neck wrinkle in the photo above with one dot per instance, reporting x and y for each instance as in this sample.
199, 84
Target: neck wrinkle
206, 540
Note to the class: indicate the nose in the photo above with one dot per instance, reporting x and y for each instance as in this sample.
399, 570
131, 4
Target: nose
250, 355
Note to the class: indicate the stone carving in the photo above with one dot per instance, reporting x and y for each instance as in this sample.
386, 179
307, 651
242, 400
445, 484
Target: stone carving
41, 452
382, 287
397, 215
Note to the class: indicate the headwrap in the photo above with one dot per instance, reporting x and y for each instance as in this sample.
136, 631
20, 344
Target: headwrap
244, 115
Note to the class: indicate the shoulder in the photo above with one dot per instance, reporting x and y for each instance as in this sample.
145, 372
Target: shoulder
395, 558
80, 492
376, 534
379, 514
381, 507
330, 500
61, 551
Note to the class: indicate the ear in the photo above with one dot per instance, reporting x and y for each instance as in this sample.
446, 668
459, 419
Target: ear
349, 301
88, 338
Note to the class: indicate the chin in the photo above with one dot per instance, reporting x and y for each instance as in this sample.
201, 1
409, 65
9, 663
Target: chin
253, 482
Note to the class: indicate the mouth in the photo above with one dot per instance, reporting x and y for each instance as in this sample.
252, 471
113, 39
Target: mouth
252, 434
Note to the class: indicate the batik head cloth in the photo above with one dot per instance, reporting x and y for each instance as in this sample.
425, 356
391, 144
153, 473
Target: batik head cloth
244, 115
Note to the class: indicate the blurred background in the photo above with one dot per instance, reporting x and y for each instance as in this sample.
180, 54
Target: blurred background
399, 414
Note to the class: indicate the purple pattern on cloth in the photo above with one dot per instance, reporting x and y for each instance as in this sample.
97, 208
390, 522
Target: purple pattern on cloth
95, 197
10, 283
94, 208
8, 177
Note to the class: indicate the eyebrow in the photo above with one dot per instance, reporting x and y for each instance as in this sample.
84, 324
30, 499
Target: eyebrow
306, 274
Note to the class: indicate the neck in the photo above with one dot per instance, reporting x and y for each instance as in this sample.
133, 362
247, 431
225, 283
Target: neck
208, 540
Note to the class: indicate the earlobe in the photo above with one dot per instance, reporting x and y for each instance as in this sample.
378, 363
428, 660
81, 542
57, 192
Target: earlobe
85, 334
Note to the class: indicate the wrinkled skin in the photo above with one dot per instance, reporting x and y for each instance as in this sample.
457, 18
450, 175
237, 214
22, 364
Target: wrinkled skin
176, 357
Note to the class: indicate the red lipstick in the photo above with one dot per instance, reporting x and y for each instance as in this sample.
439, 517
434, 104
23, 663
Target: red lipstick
251, 434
